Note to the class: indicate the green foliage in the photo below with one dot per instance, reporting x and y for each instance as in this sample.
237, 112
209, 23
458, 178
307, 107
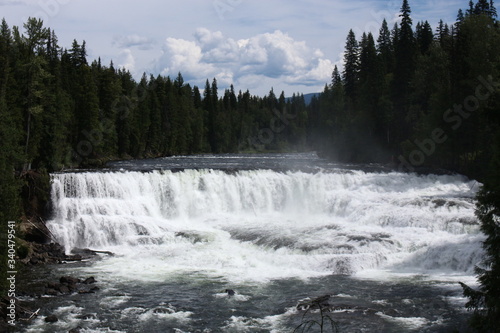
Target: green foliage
399, 90
436, 96
59, 111
485, 302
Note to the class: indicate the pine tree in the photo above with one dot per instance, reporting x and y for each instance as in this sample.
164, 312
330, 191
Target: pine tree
10, 149
425, 36
34, 67
403, 72
336, 78
460, 20
485, 302
482, 7
209, 107
154, 133
470, 11
198, 125
351, 66
109, 93
385, 48
493, 10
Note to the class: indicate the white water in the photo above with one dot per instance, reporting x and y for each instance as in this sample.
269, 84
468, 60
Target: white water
261, 225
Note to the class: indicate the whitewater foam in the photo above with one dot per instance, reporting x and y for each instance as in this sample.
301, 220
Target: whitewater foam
262, 225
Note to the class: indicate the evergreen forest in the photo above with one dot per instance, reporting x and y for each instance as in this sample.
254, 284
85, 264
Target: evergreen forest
414, 96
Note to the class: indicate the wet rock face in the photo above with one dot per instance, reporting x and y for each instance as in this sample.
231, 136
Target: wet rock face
53, 253
49, 253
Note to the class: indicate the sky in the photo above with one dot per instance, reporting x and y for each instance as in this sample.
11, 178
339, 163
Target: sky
289, 46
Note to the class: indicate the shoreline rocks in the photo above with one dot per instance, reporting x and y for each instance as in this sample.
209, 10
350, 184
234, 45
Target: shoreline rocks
48, 253
68, 285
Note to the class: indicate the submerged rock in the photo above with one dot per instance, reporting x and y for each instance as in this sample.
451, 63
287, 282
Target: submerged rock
86, 292
89, 280
51, 319
87, 316
321, 302
69, 280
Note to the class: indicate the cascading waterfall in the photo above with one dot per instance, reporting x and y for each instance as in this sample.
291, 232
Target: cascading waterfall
263, 224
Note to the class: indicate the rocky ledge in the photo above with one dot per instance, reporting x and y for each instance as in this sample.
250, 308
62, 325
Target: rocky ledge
65, 286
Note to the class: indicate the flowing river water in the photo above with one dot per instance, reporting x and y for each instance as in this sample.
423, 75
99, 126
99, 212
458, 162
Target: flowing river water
389, 247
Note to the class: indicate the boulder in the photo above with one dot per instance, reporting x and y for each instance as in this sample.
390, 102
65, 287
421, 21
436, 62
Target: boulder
69, 280
51, 292
87, 316
321, 302
51, 319
69, 284
53, 285
72, 287
64, 289
89, 280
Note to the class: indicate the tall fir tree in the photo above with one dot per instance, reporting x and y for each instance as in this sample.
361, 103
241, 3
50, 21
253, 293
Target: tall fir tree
351, 67
403, 71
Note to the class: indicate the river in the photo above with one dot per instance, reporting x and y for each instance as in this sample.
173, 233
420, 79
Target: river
389, 247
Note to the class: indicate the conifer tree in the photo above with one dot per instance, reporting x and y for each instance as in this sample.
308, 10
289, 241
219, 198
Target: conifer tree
482, 7
424, 36
485, 302
385, 48
403, 71
493, 10
351, 66
470, 11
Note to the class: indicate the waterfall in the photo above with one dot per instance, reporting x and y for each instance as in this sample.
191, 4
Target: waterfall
292, 223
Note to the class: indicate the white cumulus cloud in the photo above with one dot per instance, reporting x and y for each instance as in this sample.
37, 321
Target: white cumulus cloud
126, 60
245, 62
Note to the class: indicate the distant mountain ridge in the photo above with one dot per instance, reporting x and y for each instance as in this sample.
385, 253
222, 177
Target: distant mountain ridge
307, 97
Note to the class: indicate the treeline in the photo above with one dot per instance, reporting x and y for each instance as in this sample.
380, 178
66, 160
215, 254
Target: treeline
63, 112
57, 111
424, 98
416, 96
